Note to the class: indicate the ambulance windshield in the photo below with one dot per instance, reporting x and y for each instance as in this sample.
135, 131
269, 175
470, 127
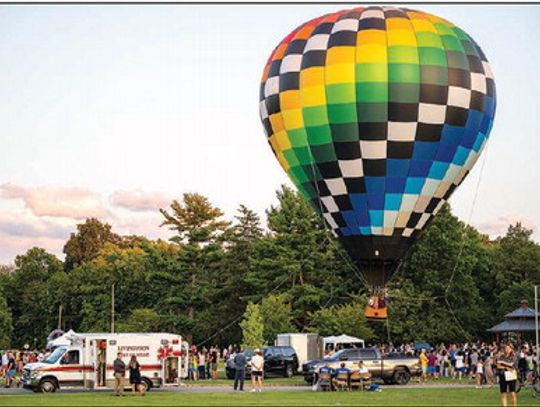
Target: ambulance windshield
57, 354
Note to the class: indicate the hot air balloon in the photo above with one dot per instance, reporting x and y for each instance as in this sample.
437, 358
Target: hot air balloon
377, 114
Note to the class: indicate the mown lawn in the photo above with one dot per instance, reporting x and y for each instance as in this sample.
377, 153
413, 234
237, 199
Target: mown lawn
388, 397
272, 381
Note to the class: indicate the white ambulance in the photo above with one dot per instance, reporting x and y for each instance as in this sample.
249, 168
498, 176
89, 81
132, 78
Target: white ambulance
85, 360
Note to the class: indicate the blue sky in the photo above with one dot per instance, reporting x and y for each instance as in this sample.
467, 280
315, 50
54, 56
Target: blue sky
112, 111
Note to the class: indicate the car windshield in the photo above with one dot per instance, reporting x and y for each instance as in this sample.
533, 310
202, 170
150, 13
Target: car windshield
336, 355
57, 354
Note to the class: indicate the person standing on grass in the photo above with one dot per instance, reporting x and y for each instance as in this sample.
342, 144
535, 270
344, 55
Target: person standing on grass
432, 364
424, 364
193, 363
201, 363
488, 369
239, 370
523, 366
4, 363
257, 370
207, 366
473, 360
507, 375
214, 359
444, 364
460, 365
452, 354
11, 369
479, 373
135, 376
119, 375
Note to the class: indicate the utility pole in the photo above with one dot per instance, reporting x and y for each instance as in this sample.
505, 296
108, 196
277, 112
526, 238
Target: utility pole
60, 317
112, 309
536, 328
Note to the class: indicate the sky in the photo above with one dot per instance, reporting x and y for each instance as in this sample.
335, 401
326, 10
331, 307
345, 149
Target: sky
113, 111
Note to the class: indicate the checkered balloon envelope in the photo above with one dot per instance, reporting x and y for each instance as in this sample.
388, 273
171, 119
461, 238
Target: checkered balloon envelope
377, 114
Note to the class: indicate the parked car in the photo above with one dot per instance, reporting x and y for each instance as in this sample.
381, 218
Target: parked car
278, 361
396, 369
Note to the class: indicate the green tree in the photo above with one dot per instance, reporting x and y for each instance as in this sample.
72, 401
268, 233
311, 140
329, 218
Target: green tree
88, 296
201, 235
247, 227
6, 327
517, 258
276, 314
252, 327
85, 244
436, 295
140, 320
234, 290
195, 220
508, 299
345, 319
30, 299
299, 257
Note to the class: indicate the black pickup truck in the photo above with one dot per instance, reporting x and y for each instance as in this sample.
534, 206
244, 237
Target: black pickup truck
392, 368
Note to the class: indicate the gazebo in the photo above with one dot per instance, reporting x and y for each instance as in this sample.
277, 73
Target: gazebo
519, 321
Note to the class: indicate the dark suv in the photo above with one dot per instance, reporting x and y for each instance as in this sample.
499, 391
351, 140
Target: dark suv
278, 361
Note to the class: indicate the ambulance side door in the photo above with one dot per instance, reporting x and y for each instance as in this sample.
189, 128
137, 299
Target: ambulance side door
71, 369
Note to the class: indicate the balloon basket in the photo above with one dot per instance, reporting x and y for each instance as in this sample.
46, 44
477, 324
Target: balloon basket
377, 309
376, 314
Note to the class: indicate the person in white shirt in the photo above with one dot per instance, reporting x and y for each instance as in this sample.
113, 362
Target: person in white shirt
479, 373
362, 369
4, 364
460, 366
257, 370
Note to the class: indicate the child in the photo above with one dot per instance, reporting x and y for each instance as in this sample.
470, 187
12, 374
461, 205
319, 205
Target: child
479, 373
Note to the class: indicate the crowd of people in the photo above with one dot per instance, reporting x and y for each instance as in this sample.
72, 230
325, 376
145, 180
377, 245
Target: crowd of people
203, 362
470, 360
507, 364
12, 363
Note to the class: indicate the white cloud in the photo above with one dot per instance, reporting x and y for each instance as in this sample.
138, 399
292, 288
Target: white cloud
141, 224
139, 200
46, 216
25, 224
59, 202
499, 226
21, 230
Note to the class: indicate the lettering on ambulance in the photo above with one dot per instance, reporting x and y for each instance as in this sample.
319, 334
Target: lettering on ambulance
138, 351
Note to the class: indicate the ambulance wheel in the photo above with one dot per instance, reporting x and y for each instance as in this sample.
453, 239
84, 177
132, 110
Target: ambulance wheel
47, 386
146, 383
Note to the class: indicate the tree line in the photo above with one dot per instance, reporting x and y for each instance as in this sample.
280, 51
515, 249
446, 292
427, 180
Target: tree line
454, 283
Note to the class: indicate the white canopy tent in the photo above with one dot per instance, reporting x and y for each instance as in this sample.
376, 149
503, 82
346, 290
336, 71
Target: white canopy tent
345, 341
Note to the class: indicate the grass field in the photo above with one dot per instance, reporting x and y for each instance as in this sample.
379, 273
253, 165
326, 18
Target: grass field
389, 397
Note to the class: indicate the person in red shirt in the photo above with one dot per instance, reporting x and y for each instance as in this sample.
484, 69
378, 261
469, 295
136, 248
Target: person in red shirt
432, 364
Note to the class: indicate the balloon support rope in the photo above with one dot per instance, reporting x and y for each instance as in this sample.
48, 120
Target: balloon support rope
463, 238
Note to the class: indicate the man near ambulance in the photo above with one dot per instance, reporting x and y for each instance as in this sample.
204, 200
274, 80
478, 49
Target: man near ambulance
119, 375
